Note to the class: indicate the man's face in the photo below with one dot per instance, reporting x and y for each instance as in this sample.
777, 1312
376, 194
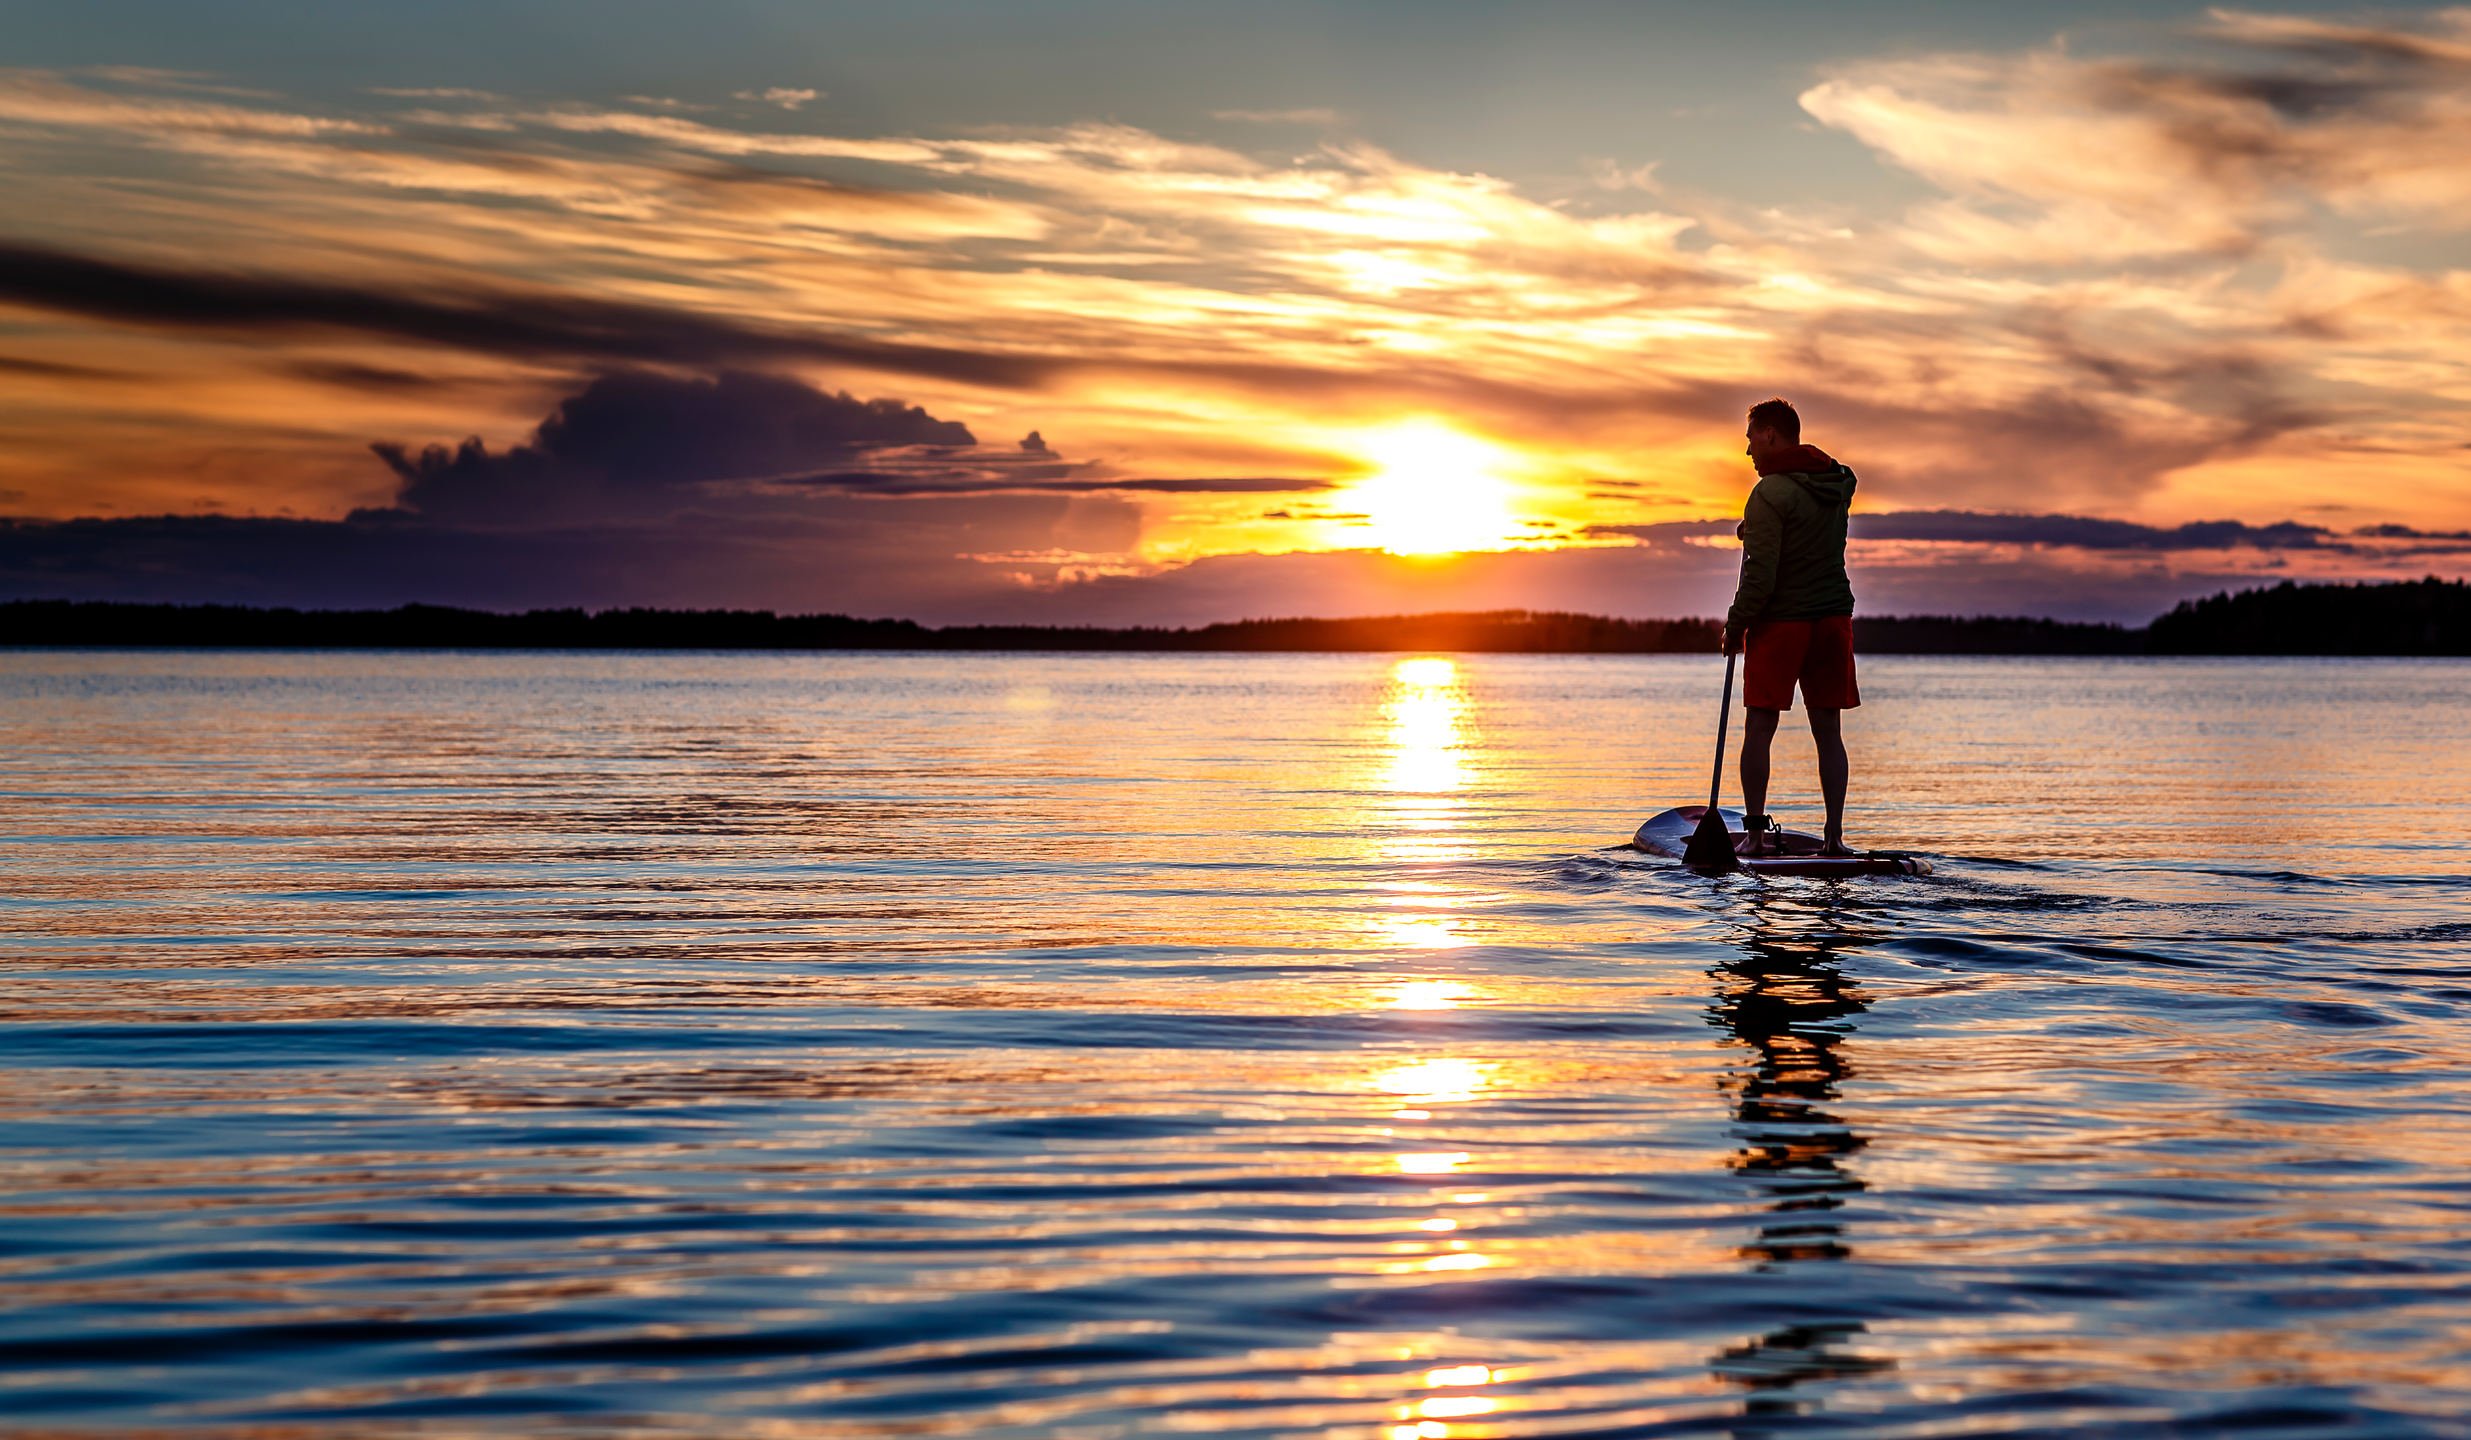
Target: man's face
1764, 441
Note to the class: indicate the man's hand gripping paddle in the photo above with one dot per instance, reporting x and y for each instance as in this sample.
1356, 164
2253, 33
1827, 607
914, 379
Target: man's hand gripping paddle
1711, 845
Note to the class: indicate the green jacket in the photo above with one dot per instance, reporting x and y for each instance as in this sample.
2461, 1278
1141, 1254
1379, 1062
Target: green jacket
1793, 547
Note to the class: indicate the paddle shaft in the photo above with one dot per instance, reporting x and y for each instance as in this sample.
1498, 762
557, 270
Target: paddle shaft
1724, 714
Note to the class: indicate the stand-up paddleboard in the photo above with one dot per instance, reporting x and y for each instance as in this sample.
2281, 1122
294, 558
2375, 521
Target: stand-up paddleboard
1669, 835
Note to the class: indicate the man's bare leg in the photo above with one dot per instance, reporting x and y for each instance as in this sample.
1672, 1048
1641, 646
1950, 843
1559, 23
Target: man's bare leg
1758, 732
1828, 732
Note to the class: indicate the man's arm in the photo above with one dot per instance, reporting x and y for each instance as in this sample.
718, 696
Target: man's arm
1763, 543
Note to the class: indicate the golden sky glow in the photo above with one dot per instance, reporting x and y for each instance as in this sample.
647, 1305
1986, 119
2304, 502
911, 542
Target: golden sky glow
2129, 288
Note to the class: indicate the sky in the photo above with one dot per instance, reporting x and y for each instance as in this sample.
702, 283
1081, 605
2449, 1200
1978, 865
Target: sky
1166, 313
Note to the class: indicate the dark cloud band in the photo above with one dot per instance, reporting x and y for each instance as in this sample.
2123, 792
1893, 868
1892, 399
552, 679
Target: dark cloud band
879, 482
513, 323
2076, 532
2089, 533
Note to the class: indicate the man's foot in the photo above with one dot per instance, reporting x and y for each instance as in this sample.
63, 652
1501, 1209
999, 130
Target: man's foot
1835, 847
1760, 836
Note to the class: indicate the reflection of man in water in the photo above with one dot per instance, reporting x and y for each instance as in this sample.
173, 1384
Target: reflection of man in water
1786, 998
1793, 612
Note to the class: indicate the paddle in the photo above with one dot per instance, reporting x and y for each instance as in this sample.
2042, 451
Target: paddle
1711, 845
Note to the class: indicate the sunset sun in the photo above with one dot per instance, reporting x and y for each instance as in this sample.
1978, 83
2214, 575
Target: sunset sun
1434, 491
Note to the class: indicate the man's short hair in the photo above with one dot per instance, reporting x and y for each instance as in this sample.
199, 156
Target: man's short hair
1778, 416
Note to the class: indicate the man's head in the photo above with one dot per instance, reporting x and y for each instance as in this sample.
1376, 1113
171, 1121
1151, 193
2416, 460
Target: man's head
1774, 429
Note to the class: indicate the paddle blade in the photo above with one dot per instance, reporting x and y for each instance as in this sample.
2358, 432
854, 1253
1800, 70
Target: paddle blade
1711, 845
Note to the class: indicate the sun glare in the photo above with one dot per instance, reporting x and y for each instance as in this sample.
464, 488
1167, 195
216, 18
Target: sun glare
1434, 491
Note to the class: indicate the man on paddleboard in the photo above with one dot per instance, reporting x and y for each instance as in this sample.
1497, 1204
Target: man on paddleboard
1793, 614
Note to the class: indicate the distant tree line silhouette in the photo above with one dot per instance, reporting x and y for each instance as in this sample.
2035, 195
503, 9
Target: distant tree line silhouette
2413, 617
2423, 617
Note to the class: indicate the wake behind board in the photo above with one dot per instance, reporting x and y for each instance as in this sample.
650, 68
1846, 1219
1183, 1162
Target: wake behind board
1669, 835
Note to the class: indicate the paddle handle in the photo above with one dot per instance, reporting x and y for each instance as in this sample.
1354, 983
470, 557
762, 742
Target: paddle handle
1724, 714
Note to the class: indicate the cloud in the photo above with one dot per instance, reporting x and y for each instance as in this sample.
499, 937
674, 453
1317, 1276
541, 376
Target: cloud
2406, 532
2446, 47
31, 97
629, 438
356, 376
500, 321
436, 92
1310, 116
1971, 528
640, 488
1663, 533
864, 557
50, 369
2063, 159
781, 95
2089, 533
943, 475
2068, 443
1218, 485
642, 442
1647, 581
1607, 174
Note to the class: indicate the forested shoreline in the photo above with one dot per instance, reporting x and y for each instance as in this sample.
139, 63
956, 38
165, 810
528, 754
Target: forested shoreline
2422, 617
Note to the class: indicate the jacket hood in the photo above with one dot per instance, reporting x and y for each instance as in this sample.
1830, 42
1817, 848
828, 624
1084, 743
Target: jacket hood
1821, 479
1800, 460
1835, 488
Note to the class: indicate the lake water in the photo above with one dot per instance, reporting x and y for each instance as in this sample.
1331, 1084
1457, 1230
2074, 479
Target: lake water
914, 1045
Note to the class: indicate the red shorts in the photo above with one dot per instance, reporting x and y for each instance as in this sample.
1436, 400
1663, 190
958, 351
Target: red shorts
1818, 653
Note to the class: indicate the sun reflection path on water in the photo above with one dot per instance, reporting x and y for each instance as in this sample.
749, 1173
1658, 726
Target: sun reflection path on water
1418, 814
1437, 1081
1431, 994
1417, 811
1427, 1418
1426, 711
